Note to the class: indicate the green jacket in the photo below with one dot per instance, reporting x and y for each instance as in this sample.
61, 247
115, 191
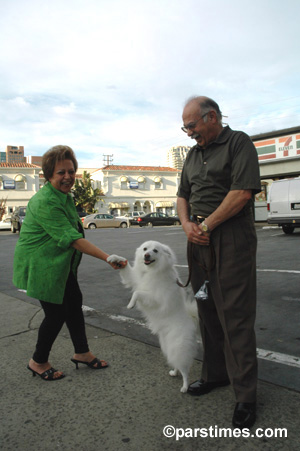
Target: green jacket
43, 254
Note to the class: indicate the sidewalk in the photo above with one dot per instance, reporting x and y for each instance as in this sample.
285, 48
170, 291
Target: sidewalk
124, 407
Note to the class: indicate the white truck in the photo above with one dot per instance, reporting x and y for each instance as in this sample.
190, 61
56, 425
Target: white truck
284, 204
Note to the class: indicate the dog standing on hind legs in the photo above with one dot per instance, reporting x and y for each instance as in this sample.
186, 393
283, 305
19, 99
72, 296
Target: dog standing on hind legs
153, 280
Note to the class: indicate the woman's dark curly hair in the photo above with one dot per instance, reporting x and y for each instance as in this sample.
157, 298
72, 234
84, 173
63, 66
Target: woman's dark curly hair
55, 154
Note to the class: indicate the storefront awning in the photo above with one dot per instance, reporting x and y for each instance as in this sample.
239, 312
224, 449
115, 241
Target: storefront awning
119, 205
165, 204
157, 179
124, 178
20, 178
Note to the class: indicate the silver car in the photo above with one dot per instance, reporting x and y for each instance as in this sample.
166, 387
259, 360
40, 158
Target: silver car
5, 224
100, 220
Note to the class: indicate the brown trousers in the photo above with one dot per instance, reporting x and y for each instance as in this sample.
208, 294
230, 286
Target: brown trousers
227, 317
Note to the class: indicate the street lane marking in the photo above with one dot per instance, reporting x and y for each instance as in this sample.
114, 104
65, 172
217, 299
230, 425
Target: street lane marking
173, 233
293, 271
279, 270
278, 357
275, 357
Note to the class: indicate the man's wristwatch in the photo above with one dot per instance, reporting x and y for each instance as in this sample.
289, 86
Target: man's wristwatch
205, 227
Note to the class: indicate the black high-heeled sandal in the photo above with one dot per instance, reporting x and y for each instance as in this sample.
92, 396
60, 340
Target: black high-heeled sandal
100, 364
47, 375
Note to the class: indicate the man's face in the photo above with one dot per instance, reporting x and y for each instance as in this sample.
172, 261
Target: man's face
202, 128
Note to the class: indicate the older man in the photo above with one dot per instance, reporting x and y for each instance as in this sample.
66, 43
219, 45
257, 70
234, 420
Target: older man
215, 206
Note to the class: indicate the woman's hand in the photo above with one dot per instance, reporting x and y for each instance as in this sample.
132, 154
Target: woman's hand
116, 262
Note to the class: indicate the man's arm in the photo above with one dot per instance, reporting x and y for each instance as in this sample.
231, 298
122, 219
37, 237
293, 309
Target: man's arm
231, 205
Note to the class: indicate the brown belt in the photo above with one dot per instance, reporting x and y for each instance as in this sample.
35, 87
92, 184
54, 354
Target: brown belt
198, 218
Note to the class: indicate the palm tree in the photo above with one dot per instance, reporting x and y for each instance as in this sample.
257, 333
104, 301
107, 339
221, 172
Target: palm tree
85, 196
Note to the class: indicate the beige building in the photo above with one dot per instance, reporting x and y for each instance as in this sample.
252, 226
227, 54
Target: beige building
18, 183
141, 188
126, 188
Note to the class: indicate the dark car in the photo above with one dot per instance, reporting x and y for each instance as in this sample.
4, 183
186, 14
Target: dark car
17, 219
157, 219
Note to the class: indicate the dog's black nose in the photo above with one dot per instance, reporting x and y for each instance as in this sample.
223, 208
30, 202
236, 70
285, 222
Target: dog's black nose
147, 256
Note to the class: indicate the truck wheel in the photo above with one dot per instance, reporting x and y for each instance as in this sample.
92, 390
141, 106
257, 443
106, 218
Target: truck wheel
288, 229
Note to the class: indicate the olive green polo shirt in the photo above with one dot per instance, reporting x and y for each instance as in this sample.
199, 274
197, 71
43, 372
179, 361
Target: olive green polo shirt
228, 163
43, 254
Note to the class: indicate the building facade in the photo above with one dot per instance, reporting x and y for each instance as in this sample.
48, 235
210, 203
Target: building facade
18, 183
137, 188
279, 157
176, 157
150, 188
15, 154
34, 160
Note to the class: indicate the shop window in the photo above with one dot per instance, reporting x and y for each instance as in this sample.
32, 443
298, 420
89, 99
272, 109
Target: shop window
20, 182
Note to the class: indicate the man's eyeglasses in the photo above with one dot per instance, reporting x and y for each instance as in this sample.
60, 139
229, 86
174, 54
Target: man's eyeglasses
192, 125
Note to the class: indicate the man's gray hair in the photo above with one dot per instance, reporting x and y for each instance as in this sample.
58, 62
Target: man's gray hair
206, 105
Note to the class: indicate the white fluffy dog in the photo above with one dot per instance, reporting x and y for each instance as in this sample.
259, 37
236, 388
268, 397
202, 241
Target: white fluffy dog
156, 294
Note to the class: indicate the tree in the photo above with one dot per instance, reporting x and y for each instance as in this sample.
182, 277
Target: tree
85, 196
2, 207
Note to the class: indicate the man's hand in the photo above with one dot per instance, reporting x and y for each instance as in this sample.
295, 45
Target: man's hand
195, 234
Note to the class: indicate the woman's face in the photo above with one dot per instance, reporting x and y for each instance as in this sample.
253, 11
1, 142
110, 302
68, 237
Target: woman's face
63, 177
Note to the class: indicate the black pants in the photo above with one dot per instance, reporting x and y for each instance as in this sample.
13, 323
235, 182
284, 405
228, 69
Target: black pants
69, 312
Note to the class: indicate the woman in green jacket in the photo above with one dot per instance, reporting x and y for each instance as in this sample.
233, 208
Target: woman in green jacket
47, 256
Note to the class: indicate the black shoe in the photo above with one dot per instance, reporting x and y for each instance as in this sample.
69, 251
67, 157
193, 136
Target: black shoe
244, 415
201, 387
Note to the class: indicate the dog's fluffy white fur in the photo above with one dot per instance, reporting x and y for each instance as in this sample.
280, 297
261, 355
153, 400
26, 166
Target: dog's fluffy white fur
163, 303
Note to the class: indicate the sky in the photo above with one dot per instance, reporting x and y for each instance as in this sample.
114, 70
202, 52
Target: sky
111, 77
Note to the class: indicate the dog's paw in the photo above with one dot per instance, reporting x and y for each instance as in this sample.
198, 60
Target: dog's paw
132, 303
183, 389
115, 259
173, 372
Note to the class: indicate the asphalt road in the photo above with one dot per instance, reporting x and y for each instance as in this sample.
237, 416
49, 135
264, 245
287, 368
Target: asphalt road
278, 283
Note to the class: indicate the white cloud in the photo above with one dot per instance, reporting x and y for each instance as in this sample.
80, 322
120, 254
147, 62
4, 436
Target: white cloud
109, 76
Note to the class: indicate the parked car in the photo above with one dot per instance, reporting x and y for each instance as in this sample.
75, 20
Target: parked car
5, 224
104, 220
133, 216
82, 214
157, 219
17, 219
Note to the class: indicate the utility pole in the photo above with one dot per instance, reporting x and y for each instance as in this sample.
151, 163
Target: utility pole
107, 160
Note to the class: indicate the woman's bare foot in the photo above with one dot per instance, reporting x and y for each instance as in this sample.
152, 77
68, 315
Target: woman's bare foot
42, 367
